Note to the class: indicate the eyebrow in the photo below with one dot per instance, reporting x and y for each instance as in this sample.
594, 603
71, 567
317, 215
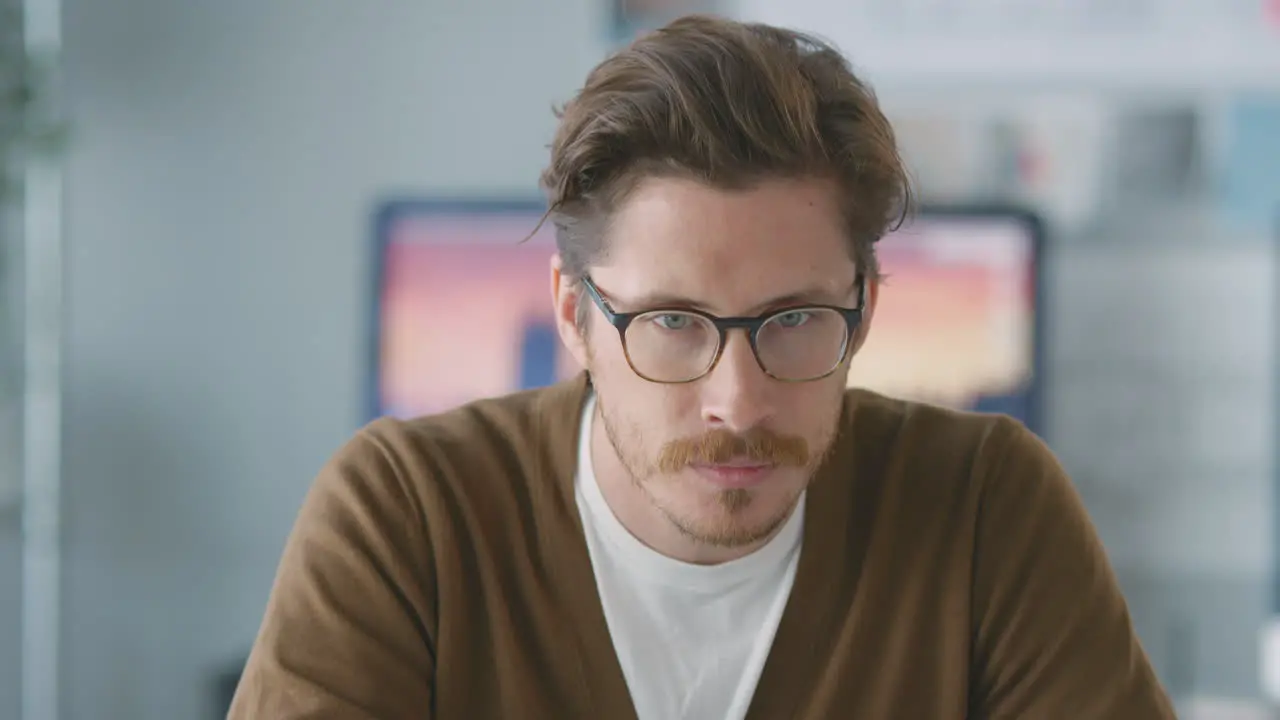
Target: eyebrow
814, 295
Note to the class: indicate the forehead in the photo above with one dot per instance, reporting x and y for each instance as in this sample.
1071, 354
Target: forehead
728, 247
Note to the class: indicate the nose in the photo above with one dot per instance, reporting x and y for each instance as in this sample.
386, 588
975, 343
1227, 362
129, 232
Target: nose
736, 394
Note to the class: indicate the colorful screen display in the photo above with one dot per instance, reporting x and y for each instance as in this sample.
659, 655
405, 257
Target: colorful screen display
463, 309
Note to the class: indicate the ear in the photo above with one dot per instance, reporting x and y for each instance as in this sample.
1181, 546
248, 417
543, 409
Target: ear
564, 299
868, 313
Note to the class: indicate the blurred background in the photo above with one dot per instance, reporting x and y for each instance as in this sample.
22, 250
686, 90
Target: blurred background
228, 234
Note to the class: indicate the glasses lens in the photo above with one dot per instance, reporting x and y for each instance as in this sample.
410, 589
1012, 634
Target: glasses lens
671, 346
803, 344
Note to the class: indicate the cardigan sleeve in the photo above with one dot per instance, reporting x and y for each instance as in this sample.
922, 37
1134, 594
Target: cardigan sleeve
347, 630
1052, 633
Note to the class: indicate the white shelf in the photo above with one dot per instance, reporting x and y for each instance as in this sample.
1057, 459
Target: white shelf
1187, 45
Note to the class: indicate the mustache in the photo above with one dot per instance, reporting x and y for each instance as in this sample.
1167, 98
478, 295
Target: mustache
721, 446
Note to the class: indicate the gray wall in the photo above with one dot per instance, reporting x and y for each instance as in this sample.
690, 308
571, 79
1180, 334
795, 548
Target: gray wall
226, 158
10, 416
1162, 377
226, 162
10, 613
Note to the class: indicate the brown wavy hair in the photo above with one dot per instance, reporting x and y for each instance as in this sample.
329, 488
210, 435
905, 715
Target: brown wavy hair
729, 104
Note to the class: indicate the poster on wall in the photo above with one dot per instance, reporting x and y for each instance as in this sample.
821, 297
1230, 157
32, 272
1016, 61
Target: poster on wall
462, 310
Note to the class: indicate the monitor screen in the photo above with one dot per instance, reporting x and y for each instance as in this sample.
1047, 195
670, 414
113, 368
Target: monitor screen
463, 309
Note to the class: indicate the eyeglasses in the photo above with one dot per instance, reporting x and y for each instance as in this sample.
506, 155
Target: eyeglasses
680, 345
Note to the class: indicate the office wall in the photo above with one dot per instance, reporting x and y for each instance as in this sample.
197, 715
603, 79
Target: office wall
225, 159
10, 424
1162, 384
10, 612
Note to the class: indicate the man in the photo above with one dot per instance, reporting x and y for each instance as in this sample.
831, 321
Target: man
706, 524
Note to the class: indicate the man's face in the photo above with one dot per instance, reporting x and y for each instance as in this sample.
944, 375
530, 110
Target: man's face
725, 457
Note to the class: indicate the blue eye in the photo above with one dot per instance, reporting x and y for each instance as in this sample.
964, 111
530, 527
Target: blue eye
793, 319
672, 321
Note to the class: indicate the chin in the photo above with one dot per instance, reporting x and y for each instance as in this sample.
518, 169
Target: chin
731, 518
730, 532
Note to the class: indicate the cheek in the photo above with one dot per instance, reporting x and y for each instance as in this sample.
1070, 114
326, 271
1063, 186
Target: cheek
607, 363
813, 411
633, 401
649, 414
603, 340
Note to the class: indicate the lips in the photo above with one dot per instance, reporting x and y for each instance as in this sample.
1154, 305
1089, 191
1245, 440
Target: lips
735, 474
744, 464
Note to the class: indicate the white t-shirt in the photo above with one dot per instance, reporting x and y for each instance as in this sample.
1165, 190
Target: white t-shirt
691, 639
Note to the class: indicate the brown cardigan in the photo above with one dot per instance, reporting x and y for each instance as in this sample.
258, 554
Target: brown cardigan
438, 570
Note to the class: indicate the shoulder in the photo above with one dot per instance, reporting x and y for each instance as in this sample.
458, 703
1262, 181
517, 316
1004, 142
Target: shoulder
487, 467
984, 476
473, 430
478, 443
933, 441
944, 475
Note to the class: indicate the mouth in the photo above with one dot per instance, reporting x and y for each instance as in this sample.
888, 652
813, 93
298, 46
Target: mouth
735, 474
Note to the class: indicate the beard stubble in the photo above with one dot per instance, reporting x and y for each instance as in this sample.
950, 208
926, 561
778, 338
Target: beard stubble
716, 446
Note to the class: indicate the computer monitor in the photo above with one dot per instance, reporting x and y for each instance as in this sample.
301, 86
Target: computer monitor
462, 309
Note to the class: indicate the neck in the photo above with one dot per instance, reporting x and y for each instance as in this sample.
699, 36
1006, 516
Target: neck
635, 509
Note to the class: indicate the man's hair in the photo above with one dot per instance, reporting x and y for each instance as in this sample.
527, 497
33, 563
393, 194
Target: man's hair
729, 104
